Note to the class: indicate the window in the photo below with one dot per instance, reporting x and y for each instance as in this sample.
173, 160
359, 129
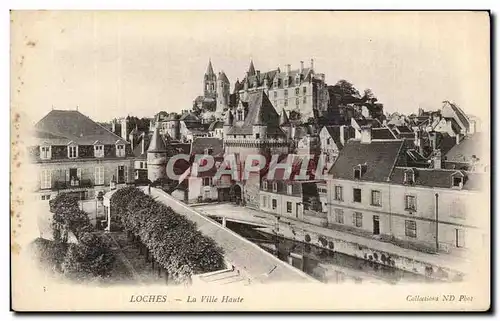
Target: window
45, 152
411, 228
98, 151
121, 174
339, 216
145, 164
409, 177
304, 100
275, 94
120, 150
239, 116
457, 182
297, 82
275, 204
99, 175
286, 102
304, 90
141, 165
286, 82
357, 219
276, 83
328, 141
264, 185
289, 207
275, 103
72, 151
289, 189
257, 136
296, 91
356, 195
297, 101
338, 193
264, 201
376, 198
207, 181
45, 179
46, 197
410, 202
357, 173
286, 93
275, 187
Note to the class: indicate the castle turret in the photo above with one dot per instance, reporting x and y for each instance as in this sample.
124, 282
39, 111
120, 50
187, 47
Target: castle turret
222, 92
157, 157
228, 122
209, 81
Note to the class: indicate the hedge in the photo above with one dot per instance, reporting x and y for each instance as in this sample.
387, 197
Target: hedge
173, 240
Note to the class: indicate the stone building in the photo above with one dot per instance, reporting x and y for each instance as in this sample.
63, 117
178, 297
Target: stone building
74, 154
301, 90
216, 91
374, 191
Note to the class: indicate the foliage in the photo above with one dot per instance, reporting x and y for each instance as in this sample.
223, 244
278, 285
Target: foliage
142, 124
347, 89
48, 253
92, 256
173, 240
68, 217
307, 238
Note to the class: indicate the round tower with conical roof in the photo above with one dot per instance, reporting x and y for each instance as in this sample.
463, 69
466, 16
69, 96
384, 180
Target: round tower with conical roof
157, 157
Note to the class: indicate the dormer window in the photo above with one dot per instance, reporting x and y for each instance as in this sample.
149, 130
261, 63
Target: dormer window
409, 177
239, 115
120, 150
45, 152
276, 83
99, 150
275, 187
357, 173
72, 151
457, 180
264, 185
286, 82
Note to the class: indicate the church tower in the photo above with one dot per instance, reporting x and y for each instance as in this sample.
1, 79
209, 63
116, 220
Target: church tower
222, 92
209, 82
157, 157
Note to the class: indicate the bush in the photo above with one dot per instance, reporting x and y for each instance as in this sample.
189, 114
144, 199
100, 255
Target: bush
68, 217
174, 241
323, 241
307, 238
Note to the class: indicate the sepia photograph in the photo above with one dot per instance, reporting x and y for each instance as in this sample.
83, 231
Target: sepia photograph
250, 160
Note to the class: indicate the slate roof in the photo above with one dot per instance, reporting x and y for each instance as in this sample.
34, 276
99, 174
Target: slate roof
138, 148
223, 77
379, 156
216, 124
260, 112
157, 144
460, 114
470, 145
59, 127
382, 133
271, 75
190, 117
334, 132
442, 178
199, 145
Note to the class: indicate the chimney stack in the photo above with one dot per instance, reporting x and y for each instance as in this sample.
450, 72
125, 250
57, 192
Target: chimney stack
366, 134
301, 67
312, 64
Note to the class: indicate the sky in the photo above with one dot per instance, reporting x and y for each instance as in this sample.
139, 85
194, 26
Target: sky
113, 64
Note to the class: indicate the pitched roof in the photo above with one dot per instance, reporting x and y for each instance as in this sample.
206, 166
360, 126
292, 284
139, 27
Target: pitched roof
190, 117
59, 127
284, 118
460, 114
199, 145
216, 124
146, 138
157, 144
382, 133
378, 156
223, 77
470, 145
260, 112
334, 132
442, 178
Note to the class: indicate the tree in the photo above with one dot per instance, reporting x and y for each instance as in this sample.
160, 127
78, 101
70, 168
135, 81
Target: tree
67, 216
347, 89
91, 257
368, 95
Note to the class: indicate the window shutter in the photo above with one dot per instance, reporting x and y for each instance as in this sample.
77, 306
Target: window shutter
125, 174
79, 173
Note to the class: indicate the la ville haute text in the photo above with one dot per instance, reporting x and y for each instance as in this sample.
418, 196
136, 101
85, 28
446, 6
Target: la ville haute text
190, 299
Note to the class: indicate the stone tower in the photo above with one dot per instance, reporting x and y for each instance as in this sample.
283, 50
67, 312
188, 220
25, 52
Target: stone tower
222, 92
209, 82
157, 157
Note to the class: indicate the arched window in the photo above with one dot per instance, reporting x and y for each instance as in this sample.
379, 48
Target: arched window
239, 115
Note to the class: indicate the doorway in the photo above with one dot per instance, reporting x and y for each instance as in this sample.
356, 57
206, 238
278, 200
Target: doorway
376, 225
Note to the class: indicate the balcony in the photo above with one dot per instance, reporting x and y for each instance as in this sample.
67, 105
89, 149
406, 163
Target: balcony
75, 184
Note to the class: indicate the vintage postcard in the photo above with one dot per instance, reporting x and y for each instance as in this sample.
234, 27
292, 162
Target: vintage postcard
250, 160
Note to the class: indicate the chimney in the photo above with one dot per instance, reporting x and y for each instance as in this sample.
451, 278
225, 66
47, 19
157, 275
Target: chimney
366, 134
436, 159
433, 140
288, 68
312, 64
342, 136
143, 144
301, 67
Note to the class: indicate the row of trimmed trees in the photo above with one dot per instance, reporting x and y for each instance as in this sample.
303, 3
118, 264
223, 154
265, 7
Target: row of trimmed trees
89, 258
172, 240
